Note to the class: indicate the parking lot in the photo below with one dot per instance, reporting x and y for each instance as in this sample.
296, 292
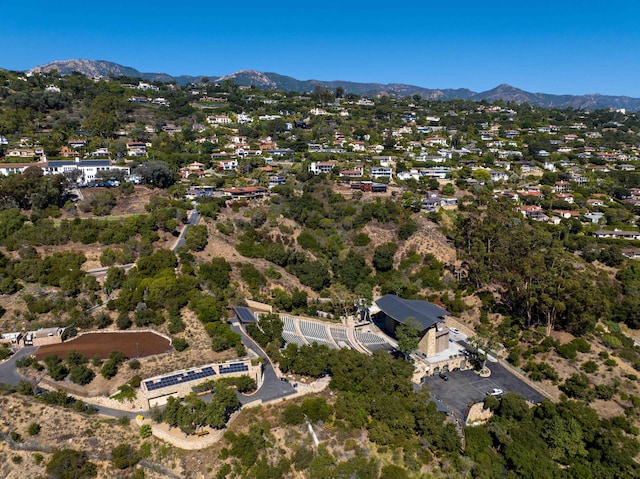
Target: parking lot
466, 387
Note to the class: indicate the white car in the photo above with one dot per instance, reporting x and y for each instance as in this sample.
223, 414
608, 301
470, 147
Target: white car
495, 392
454, 330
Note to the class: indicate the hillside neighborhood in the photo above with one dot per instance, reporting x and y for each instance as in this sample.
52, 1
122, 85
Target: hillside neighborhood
262, 283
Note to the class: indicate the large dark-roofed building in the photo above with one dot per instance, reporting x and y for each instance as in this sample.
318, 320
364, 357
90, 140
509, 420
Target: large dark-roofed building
398, 309
244, 314
393, 310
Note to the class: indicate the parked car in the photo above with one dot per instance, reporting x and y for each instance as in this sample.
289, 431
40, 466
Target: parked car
454, 330
495, 392
443, 376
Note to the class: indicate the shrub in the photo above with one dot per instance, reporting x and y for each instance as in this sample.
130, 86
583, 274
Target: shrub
81, 374
124, 321
124, 456
589, 367
316, 409
406, 229
567, 351
577, 386
70, 464
361, 239
134, 364
145, 431
611, 341
179, 344
582, 345
293, 415
126, 393
109, 369
540, 371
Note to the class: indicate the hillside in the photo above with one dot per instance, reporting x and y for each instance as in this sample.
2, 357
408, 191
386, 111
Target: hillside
510, 230
275, 81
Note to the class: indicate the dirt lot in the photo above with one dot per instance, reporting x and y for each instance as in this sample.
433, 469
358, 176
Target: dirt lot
132, 344
127, 204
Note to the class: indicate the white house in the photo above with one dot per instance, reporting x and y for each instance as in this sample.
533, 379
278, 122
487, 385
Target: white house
378, 172
322, 167
228, 165
218, 120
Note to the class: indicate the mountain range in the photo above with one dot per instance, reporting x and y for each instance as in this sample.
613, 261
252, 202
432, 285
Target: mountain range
274, 81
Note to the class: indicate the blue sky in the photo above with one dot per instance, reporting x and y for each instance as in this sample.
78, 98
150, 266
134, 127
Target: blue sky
561, 47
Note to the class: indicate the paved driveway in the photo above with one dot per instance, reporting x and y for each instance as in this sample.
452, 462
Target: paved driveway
466, 387
8, 373
272, 387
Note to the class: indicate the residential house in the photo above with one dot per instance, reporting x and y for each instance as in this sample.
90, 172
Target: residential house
618, 234
77, 143
533, 212
87, 170
218, 120
322, 167
436, 141
353, 173
566, 214
67, 152
378, 172
7, 169
228, 165
249, 192
631, 253
21, 153
568, 197
357, 146
101, 152
594, 216
244, 118
430, 158
595, 202
432, 203
413, 173
193, 169
136, 148
439, 173
498, 175
373, 187
276, 180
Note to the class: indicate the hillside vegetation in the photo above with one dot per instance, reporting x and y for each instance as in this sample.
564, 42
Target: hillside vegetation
548, 296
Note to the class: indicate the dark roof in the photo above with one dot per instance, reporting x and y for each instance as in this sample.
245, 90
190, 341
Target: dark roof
245, 315
426, 313
59, 163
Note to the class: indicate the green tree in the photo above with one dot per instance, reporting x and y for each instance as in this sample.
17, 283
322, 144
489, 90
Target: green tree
383, 256
70, 464
196, 238
156, 173
124, 456
408, 336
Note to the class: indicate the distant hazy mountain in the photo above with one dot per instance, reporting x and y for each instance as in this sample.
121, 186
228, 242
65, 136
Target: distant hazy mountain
584, 102
274, 81
99, 68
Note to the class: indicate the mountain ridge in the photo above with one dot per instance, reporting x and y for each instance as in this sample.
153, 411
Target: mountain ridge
275, 81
